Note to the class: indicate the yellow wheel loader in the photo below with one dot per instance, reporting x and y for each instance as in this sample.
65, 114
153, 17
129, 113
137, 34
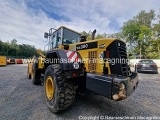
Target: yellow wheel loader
72, 64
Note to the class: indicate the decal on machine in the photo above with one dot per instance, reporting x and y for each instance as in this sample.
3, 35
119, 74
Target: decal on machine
101, 55
102, 45
76, 65
72, 56
86, 46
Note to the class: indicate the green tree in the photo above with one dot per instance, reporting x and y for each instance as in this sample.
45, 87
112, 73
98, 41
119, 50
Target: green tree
13, 49
156, 33
145, 18
138, 32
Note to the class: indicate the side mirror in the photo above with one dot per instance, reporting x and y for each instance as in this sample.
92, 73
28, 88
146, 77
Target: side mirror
46, 35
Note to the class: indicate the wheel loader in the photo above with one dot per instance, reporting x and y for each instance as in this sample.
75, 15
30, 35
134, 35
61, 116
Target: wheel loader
3, 61
72, 65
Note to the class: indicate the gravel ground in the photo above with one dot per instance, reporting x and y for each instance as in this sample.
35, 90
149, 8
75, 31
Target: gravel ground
21, 100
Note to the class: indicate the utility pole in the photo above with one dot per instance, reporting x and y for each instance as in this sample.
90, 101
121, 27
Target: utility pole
157, 36
140, 51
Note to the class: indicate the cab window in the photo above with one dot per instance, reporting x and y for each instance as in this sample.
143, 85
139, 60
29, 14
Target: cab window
70, 37
56, 39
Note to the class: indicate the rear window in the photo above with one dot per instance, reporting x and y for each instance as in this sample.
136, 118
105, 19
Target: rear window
146, 61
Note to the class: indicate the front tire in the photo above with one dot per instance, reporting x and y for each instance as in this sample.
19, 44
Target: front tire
36, 74
59, 91
29, 71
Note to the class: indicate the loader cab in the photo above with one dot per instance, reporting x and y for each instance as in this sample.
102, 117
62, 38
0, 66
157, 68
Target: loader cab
61, 38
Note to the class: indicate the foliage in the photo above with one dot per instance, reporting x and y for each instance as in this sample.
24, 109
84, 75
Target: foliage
17, 50
140, 33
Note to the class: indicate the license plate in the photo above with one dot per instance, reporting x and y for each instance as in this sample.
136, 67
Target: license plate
146, 65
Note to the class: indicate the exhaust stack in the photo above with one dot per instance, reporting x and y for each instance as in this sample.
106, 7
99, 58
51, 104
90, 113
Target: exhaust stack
93, 34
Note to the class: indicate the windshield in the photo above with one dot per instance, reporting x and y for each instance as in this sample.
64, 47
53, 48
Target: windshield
70, 37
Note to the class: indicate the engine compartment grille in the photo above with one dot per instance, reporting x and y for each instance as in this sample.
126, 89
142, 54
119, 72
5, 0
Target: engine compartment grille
118, 52
92, 55
123, 56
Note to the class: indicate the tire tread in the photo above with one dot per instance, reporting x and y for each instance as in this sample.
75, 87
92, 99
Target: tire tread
66, 89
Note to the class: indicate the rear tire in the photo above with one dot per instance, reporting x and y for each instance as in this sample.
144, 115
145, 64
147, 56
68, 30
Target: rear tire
156, 72
59, 91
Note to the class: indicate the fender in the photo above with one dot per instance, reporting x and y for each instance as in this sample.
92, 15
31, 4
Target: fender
68, 60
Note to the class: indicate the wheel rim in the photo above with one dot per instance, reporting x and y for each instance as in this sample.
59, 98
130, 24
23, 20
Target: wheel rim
28, 72
49, 88
32, 74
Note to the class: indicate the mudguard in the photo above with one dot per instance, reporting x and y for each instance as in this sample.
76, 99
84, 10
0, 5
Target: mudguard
68, 60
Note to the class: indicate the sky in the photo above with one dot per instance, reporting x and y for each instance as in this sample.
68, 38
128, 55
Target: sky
27, 20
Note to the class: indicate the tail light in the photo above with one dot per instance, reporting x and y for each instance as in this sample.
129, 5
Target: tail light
107, 54
138, 65
74, 75
154, 65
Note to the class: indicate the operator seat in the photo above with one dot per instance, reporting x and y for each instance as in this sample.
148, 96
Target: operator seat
83, 38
